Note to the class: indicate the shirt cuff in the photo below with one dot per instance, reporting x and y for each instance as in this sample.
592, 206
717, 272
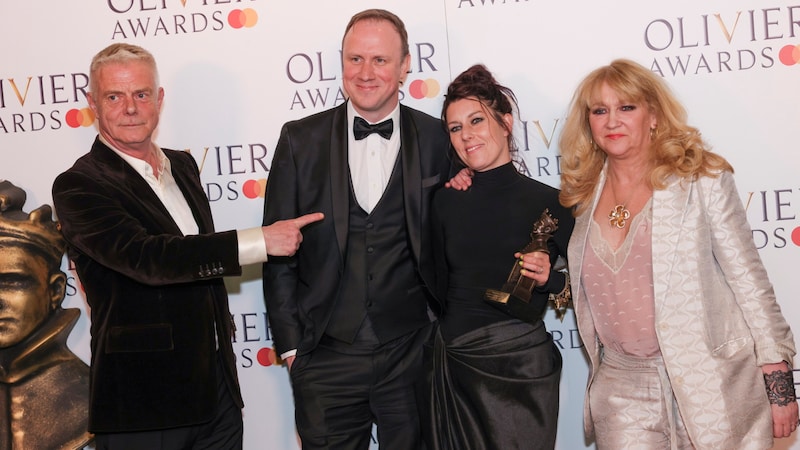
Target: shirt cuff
285, 355
252, 246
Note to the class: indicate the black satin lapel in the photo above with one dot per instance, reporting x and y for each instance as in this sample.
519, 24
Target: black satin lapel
412, 178
340, 176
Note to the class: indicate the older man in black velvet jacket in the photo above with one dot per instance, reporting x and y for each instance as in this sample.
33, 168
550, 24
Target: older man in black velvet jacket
140, 232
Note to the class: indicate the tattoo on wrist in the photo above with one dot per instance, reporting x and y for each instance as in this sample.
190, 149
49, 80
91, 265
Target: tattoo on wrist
780, 387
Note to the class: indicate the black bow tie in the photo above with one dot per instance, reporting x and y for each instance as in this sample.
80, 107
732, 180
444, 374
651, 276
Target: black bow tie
362, 129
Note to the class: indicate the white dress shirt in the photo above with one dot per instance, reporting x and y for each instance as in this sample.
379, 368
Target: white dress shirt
371, 159
251, 245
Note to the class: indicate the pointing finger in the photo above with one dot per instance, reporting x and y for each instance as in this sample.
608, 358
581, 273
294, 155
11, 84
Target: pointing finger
307, 219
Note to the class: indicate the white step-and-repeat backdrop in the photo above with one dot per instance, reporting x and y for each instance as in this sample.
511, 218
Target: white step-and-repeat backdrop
235, 70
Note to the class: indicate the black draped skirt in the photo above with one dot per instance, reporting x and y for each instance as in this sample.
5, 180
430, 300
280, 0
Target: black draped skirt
495, 387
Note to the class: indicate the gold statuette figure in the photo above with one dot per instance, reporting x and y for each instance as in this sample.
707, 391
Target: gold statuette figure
519, 286
44, 386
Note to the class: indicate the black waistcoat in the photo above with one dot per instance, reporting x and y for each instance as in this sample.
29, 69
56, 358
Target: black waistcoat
380, 279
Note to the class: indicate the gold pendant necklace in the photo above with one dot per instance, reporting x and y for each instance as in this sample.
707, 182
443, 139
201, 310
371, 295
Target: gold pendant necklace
619, 215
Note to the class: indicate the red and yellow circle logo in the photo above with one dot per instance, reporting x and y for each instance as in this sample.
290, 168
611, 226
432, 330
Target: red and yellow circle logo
267, 357
79, 117
254, 188
796, 236
424, 88
243, 18
790, 55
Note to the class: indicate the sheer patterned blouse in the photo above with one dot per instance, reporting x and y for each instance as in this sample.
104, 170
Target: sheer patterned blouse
619, 288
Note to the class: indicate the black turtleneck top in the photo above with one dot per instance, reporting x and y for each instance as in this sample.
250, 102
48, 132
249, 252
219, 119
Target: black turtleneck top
476, 233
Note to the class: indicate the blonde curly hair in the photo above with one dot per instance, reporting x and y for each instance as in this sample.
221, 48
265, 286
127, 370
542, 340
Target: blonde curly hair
676, 149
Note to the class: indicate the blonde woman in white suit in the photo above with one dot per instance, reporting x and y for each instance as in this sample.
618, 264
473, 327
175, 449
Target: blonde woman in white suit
687, 344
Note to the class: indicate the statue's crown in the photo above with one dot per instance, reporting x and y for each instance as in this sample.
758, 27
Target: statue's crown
37, 228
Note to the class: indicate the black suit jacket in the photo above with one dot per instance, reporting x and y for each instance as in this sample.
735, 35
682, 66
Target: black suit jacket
310, 173
156, 296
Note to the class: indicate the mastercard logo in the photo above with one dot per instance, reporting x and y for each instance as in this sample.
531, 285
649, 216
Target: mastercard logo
796, 236
243, 18
790, 55
76, 118
254, 188
424, 88
267, 357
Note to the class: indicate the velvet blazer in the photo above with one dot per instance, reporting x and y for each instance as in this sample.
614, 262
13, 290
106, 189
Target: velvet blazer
310, 173
156, 296
716, 317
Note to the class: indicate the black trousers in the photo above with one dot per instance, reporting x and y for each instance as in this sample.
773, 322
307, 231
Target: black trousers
340, 390
224, 432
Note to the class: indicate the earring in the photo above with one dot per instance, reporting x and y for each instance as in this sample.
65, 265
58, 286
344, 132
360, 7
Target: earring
653, 133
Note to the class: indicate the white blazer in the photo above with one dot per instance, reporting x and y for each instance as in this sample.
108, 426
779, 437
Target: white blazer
716, 317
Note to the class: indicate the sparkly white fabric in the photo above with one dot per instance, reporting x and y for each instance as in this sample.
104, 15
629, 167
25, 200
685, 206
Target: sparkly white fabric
716, 317
645, 418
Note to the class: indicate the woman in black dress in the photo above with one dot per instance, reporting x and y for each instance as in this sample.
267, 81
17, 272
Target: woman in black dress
496, 369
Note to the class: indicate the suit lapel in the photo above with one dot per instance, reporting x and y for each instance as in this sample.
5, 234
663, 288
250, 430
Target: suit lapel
580, 235
340, 176
137, 188
669, 210
412, 179
669, 206
576, 251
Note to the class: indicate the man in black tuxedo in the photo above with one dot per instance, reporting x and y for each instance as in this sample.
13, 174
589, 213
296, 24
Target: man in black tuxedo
350, 310
140, 232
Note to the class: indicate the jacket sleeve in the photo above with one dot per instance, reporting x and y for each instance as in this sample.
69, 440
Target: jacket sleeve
105, 219
738, 258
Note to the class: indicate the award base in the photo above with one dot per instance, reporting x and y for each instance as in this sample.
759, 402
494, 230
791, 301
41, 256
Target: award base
518, 286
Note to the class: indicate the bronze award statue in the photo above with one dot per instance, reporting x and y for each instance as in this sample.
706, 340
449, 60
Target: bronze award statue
44, 401
519, 288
